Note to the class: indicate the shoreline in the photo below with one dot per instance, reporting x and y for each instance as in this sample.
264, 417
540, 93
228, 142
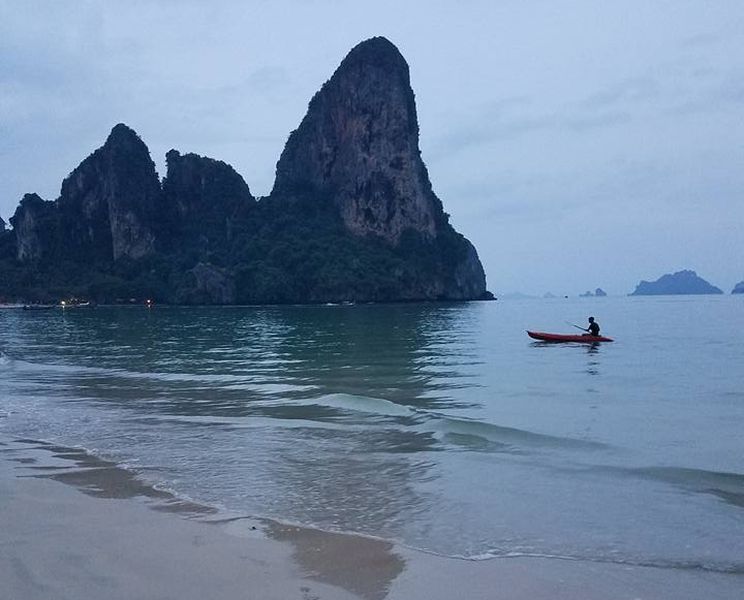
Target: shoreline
106, 533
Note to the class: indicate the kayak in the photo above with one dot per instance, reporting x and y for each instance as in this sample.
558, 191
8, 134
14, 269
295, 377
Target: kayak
567, 337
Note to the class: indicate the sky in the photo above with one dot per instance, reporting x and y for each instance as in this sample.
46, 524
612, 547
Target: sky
577, 144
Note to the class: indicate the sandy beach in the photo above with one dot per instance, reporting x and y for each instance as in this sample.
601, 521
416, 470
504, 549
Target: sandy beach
77, 527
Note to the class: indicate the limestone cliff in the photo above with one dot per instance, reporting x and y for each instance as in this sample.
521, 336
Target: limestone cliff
108, 204
352, 215
358, 143
35, 224
210, 285
203, 198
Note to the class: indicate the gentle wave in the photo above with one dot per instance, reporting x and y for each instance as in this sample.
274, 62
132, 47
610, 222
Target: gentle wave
510, 435
363, 404
85, 463
684, 475
458, 431
255, 381
727, 568
233, 422
729, 487
443, 425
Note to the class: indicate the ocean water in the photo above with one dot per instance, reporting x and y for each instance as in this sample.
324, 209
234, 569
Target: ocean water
442, 427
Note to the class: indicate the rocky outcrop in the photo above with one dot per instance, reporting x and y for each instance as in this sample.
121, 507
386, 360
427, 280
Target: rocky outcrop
598, 293
203, 197
738, 288
8, 250
212, 286
681, 282
108, 204
35, 224
358, 144
352, 215
469, 278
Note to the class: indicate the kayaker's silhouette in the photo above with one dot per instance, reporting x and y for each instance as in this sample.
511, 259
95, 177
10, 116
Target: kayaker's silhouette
593, 328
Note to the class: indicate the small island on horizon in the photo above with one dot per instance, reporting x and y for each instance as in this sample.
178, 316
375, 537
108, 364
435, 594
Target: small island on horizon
684, 282
598, 293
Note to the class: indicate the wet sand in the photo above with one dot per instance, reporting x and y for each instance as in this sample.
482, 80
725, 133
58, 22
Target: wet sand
75, 526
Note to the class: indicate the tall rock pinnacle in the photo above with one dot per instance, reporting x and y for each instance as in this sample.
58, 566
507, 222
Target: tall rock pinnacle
107, 203
35, 226
358, 144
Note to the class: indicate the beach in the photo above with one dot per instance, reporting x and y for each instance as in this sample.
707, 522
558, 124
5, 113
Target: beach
75, 526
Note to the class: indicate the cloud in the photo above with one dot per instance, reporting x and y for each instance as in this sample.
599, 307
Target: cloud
633, 90
701, 40
488, 128
678, 88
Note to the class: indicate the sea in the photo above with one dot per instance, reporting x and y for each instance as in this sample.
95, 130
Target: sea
441, 427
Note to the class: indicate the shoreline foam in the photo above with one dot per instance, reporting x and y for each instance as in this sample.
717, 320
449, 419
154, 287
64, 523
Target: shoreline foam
60, 543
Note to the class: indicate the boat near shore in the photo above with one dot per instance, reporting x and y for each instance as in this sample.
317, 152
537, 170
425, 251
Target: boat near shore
76, 304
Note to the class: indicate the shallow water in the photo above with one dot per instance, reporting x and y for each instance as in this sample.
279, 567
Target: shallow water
443, 427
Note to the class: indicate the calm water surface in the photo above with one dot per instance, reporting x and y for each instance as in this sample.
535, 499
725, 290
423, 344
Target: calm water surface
443, 427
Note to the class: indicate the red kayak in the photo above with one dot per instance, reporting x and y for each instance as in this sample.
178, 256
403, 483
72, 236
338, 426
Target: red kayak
567, 337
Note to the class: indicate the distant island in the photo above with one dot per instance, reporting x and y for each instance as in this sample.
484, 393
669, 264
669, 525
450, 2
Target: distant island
598, 293
738, 288
681, 282
352, 215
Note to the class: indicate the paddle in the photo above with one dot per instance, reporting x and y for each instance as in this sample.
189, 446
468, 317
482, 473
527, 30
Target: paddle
574, 325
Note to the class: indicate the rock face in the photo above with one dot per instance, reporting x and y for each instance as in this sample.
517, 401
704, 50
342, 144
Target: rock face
212, 286
108, 204
682, 282
352, 215
358, 144
204, 197
598, 293
738, 288
470, 279
358, 147
35, 226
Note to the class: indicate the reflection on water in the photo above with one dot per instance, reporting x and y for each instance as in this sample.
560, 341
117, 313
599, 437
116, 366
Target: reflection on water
592, 365
592, 351
364, 566
239, 358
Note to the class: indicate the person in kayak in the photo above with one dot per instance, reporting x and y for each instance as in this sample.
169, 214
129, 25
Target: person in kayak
593, 328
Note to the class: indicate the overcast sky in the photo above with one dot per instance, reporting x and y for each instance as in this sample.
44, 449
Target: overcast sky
577, 144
